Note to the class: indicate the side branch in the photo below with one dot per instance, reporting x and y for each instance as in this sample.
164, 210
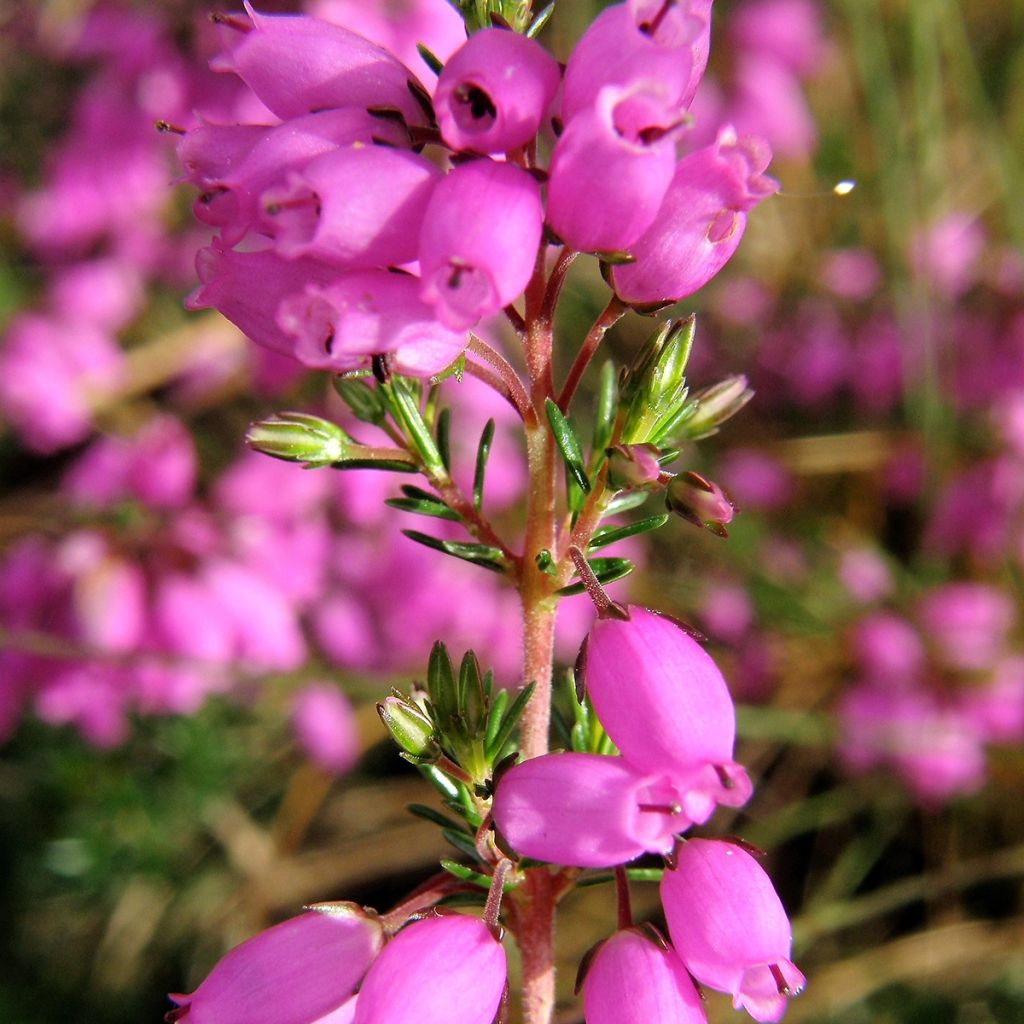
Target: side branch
611, 315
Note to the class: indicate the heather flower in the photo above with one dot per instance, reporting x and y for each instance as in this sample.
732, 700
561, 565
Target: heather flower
294, 973
632, 980
441, 970
587, 810
612, 165
967, 623
700, 222
357, 207
729, 927
297, 65
479, 241
665, 705
341, 326
701, 502
889, 649
865, 574
494, 91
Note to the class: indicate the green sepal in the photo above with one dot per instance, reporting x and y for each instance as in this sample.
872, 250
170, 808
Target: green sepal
610, 534
365, 402
568, 444
607, 570
484, 555
500, 736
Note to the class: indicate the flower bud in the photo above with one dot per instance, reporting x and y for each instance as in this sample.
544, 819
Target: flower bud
586, 810
701, 502
494, 92
299, 437
633, 465
730, 928
700, 223
479, 241
441, 970
632, 980
294, 973
409, 728
715, 405
665, 705
653, 390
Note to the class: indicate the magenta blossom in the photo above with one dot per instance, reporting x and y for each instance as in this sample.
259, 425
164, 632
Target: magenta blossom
730, 928
494, 92
586, 810
701, 221
631, 980
664, 703
325, 727
441, 970
479, 241
294, 973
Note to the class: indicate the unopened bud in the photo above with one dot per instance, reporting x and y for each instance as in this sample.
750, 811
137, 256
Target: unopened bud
653, 390
633, 466
298, 437
701, 502
715, 405
409, 728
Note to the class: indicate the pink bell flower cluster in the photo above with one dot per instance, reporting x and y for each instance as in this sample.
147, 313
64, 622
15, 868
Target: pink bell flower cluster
339, 965
935, 690
667, 709
365, 217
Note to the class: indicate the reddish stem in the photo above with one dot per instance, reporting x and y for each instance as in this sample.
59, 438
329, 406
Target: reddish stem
612, 313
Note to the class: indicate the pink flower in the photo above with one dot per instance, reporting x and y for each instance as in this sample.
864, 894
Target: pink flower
968, 623
479, 241
441, 970
586, 810
296, 65
865, 574
789, 31
631, 980
700, 223
325, 727
889, 649
494, 92
730, 928
294, 973
948, 252
665, 705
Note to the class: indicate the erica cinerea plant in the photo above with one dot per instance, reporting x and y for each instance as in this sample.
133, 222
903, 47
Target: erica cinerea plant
378, 226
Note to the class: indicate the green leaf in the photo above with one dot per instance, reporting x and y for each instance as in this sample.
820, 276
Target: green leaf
440, 781
484, 555
607, 570
483, 453
441, 685
431, 814
494, 715
568, 444
607, 407
633, 874
538, 23
430, 59
546, 563
510, 721
407, 415
365, 402
391, 465
624, 502
422, 507
461, 842
444, 449
464, 874
610, 534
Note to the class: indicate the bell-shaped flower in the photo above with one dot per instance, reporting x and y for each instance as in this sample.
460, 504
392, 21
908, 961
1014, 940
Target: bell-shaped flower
643, 39
612, 166
586, 810
248, 288
664, 703
358, 207
232, 202
297, 64
632, 980
479, 241
324, 724
700, 223
297, 972
441, 970
340, 326
494, 92
730, 928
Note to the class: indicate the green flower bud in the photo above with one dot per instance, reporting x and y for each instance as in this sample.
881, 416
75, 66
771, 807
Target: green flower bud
409, 728
653, 390
298, 437
714, 405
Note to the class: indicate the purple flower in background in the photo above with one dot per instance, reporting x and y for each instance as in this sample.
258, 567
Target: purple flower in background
325, 727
